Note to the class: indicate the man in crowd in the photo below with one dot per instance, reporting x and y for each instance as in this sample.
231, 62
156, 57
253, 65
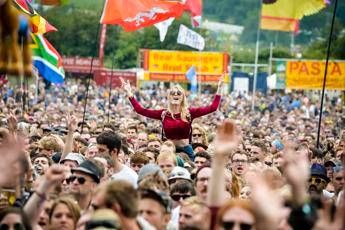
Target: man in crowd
110, 143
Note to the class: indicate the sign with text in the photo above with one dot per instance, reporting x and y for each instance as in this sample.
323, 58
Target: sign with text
106, 76
173, 65
310, 75
81, 64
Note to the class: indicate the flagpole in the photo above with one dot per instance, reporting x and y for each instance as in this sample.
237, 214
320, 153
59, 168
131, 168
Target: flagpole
270, 60
89, 80
110, 87
325, 73
256, 56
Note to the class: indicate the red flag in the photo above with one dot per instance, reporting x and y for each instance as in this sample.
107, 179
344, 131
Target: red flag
195, 8
135, 14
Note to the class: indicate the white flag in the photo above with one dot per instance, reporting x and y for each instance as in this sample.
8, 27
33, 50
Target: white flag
190, 38
163, 28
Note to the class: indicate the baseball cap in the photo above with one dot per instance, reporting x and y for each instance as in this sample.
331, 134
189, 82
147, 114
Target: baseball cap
179, 173
158, 196
90, 168
74, 157
319, 171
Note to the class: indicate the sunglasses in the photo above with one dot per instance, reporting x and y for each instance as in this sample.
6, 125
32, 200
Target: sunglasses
228, 225
177, 197
16, 226
81, 180
197, 135
179, 93
316, 180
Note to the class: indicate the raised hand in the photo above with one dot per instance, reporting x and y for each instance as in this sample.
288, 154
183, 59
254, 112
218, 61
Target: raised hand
12, 122
227, 138
11, 152
325, 220
296, 170
72, 123
126, 86
220, 84
53, 176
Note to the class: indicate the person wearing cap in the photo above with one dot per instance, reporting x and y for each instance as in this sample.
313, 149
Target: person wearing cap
177, 174
72, 160
109, 143
318, 181
83, 181
155, 207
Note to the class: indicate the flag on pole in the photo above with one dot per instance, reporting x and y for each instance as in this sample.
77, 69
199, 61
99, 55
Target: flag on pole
284, 15
195, 8
192, 78
39, 25
190, 38
46, 59
135, 14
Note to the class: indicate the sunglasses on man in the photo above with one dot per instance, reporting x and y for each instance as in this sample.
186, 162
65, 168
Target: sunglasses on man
229, 225
80, 179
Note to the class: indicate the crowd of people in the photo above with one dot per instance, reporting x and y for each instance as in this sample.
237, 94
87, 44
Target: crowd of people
163, 158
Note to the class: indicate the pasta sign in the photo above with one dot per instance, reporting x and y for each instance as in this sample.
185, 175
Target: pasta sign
310, 74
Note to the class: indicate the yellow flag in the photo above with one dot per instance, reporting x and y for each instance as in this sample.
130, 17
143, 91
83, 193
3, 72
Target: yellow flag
284, 15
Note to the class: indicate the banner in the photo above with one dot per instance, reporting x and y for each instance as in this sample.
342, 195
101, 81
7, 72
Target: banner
190, 38
310, 74
284, 15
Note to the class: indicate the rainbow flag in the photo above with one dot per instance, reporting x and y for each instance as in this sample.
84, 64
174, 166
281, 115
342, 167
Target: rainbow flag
284, 15
46, 59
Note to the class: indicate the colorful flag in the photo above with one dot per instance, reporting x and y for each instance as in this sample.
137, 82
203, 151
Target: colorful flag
195, 8
190, 38
284, 15
192, 78
46, 59
135, 14
39, 25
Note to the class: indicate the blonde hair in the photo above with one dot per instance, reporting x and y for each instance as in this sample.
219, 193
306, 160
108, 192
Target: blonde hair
184, 104
203, 133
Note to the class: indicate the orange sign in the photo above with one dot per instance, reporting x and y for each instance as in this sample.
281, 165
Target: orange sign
310, 75
165, 65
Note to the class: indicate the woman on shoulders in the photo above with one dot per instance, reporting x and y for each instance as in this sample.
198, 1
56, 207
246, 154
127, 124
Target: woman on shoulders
177, 118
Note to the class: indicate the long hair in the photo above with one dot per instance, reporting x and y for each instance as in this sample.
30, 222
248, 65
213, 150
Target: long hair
184, 103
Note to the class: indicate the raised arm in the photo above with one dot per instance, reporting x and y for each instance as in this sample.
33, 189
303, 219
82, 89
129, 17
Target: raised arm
201, 111
150, 113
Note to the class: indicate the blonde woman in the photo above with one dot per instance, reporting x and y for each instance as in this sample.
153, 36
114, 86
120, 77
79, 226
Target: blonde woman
178, 117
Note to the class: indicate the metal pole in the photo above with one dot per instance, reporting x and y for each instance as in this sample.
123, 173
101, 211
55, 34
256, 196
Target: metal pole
270, 60
256, 58
325, 74
110, 87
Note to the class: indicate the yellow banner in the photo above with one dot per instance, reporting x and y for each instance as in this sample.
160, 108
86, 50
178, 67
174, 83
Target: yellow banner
310, 74
180, 61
